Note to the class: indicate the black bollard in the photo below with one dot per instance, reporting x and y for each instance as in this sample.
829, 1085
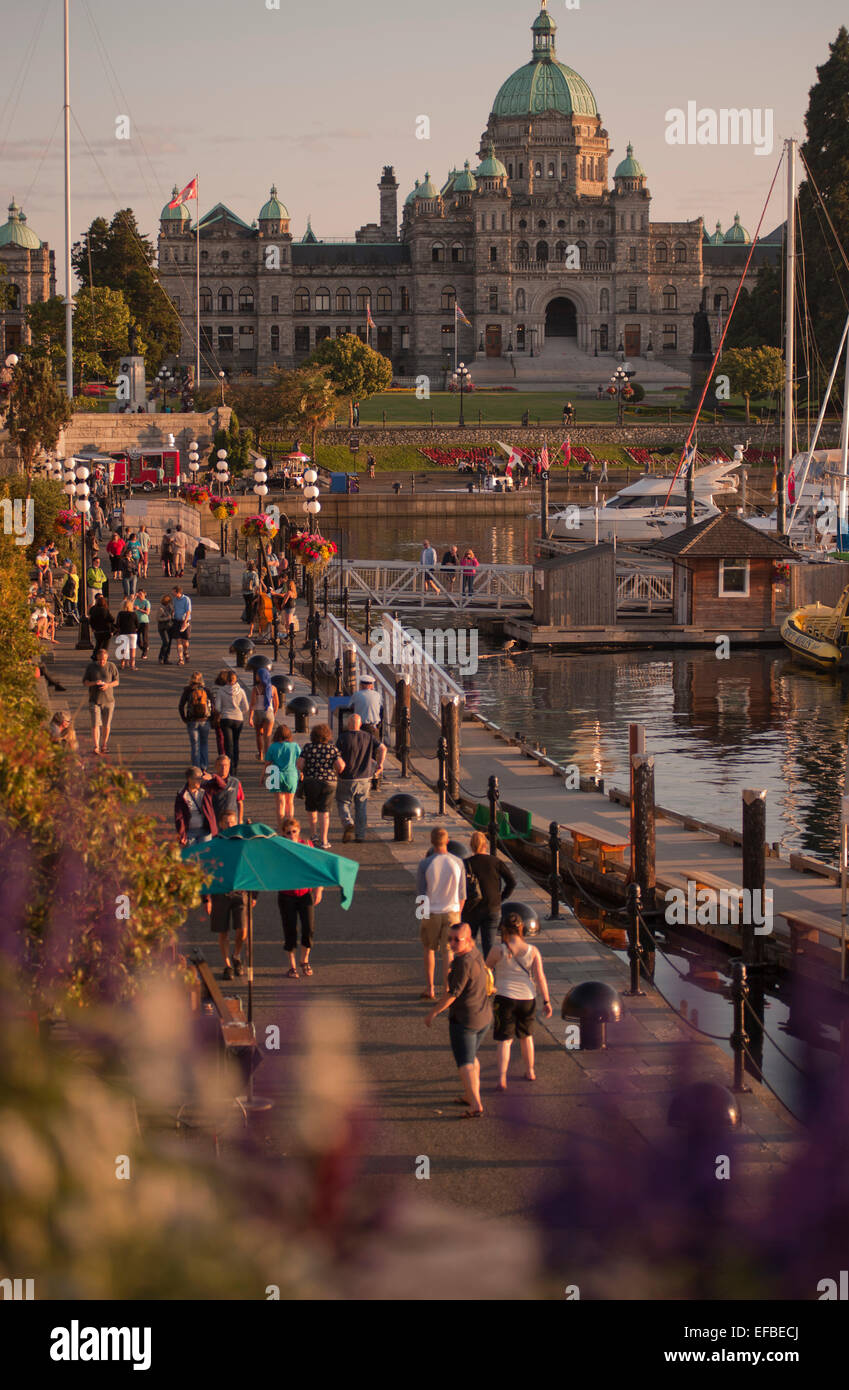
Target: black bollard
349, 670
402, 724
754, 871
450, 719
594, 1004
643, 826
739, 1036
337, 671
492, 796
442, 758
554, 848
635, 945
326, 595
291, 641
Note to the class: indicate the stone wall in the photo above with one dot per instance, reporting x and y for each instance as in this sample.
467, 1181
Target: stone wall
651, 435
112, 433
158, 514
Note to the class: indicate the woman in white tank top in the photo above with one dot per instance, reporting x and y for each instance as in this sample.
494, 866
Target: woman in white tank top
518, 975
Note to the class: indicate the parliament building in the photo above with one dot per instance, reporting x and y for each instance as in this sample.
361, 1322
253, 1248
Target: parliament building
543, 256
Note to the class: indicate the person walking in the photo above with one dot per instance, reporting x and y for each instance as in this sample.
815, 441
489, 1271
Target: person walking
194, 810
469, 565
228, 795
428, 566
164, 623
602, 477
141, 604
144, 549
297, 906
166, 554
114, 550
264, 704
368, 705
127, 572
231, 707
370, 465
519, 975
71, 593
289, 599
450, 566
363, 755
101, 679
320, 765
441, 896
96, 579
179, 541
101, 622
181, 626
229, 911
469, 1014
485, 874
281, 772
250, 589
126, 634
195, 711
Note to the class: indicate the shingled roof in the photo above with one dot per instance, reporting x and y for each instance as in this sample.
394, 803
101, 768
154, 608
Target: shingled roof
722, 537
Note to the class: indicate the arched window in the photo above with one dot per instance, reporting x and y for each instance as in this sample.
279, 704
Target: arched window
720, 300
275, 339
449, 294
225, 301
384, 301
670, 297
322, 301
680, 253
206, 301
363, 300
246, 301
14, 293
560, 251
302, 301
582, 252
405, 300
600, 250
561, 225
520, 299
457, 252
538, 170
551, 171
437, 252
604, 301
343, 301
542, 251
661, 253
523, 251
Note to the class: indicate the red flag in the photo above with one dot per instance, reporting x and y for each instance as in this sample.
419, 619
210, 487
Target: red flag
567, 452
190, 191
791, 486
543, 458
369, 319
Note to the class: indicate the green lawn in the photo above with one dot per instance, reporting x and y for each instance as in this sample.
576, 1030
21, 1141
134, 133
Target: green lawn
502, 407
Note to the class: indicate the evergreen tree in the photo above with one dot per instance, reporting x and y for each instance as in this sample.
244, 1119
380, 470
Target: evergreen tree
122, 258
826, 154
38, 410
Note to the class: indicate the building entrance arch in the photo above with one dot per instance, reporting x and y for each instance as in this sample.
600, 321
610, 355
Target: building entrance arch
561, 318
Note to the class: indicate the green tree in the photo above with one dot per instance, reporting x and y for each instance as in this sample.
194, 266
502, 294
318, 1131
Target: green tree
826, 154
237, 441
754, 373
306, 400
122, 258
38, 410
101, 329
355, 369
757, 320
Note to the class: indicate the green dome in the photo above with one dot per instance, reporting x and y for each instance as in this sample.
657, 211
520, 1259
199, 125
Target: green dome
717, 239
737, 234
427, 189
15, 232
544, 84
180, 214
491, 168
630, 168
273, 210
411, 197
465, 182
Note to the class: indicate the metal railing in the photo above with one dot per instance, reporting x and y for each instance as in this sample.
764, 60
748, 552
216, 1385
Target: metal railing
391, 583
531, 267
335, 641
642, 590
428, 681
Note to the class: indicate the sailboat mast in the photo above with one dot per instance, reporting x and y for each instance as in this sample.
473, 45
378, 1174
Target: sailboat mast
69, 303
789, 343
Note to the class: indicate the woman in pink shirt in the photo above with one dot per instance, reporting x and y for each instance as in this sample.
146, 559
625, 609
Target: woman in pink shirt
468, 565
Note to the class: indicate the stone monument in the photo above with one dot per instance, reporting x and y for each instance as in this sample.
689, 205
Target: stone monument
701, 359
131, 393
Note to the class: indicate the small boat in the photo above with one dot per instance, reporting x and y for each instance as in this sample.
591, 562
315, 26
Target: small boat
819, 635
640, 513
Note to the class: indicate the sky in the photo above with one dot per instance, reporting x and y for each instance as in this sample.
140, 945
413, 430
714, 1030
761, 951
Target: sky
317, 98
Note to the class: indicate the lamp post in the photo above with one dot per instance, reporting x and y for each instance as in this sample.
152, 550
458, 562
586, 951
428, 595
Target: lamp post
462, 380
618, 385
261, 491
222, 478
222, 377
76, 486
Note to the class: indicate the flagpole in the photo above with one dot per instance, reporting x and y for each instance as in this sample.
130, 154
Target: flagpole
197, 282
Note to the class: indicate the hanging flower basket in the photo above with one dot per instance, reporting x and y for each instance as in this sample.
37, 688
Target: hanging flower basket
196, 494
68, 523
313, 551
262, 526
223, 508
780, 571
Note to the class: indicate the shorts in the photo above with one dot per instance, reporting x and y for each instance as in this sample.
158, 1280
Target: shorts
226, 913
512, 1018
434, 929
465, 1042
101, 717
318, 796
294, 908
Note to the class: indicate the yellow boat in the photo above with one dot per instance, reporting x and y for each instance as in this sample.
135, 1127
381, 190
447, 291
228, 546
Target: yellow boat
819, 634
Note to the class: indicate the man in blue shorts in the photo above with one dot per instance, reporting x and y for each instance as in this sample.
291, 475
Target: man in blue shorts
469, 1014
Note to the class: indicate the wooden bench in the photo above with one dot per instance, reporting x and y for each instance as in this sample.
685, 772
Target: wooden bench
701, 878
805, 928
237, 1035
596, 845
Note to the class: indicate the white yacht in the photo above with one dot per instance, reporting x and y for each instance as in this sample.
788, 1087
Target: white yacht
640, 513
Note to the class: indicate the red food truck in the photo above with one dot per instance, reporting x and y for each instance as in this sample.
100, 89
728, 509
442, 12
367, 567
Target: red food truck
142, 469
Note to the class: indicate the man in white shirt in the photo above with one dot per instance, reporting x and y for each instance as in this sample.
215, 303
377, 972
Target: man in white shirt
428, 566
441, 897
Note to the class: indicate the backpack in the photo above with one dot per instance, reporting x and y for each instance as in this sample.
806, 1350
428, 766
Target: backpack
198, 704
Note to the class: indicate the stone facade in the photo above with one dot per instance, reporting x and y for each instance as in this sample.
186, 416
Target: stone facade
533, 245
30, 276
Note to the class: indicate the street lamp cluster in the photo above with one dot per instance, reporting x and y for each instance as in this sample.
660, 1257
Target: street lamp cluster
75, 485
311, 502
461, 380
620, 387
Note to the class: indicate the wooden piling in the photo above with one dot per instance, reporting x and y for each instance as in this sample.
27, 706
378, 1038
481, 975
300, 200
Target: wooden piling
754, 869
450, 718
349, 670
642, 821
636, 746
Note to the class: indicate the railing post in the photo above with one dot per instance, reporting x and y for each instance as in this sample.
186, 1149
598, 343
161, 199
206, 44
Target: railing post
325, 595
402, 724
345, 613
367, 621
739, 1036
442, 758
291, 641
554, 850
314, 660
337, 671
635, 945
493, 795
450, 718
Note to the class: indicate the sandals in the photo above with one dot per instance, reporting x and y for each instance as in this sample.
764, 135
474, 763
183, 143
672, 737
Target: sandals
292, 973
472, 1115
306, 967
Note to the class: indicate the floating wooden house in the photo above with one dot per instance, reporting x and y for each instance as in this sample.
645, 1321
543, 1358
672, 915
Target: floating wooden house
724, 574
577, 589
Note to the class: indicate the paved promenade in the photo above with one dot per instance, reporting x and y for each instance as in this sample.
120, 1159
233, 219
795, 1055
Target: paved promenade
370, 959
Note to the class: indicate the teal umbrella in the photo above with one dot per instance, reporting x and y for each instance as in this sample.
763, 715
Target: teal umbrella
253, 858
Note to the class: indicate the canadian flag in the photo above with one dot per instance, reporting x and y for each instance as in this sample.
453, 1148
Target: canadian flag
190, 191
